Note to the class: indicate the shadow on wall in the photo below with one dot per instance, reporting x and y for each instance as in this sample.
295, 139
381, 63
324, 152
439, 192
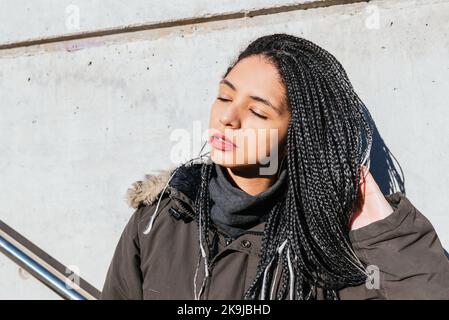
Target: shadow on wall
384, 167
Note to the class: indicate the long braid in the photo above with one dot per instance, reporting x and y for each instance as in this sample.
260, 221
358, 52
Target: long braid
202, 209
305, 244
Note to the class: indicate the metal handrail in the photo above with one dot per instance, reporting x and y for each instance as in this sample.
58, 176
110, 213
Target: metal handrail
43, 267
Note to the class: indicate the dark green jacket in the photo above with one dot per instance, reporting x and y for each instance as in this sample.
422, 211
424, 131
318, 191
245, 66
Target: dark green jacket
407, 258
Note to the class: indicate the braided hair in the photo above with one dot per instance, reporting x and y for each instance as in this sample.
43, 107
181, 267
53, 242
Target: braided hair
329, 136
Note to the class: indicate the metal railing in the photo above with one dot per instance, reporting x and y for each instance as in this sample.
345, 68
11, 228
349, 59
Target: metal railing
43, 267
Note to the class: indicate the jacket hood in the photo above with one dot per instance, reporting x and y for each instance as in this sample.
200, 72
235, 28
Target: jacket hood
183, 185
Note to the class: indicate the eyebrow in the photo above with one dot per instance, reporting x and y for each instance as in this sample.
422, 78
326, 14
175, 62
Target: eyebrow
262, 100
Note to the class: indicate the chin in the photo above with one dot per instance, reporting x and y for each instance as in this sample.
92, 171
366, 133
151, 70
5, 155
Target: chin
224, 159
228, 161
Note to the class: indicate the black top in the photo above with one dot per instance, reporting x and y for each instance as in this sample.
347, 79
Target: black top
233, 210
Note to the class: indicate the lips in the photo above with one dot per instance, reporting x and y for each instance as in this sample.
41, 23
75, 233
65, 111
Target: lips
220, 142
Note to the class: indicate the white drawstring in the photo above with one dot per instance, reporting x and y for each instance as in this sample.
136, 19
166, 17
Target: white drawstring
203, 255
206, 267
264, 281
153, 217
292, 275
150, 225
280, 249
194, 278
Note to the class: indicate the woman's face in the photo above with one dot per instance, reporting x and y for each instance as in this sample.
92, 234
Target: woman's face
250, 111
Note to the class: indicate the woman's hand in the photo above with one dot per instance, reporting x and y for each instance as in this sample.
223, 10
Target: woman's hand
372, 205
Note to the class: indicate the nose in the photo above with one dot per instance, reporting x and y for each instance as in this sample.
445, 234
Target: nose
230, 117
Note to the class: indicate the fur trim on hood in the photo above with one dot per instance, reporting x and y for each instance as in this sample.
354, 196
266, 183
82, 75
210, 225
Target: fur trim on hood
186, 180
146, 191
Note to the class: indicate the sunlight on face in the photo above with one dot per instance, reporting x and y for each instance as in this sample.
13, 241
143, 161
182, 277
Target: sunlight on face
249, 118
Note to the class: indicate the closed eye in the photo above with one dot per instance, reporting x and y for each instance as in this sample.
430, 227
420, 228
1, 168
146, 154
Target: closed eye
252, 111
258, 114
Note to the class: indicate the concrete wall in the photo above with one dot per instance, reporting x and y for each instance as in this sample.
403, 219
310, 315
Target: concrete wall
86, 112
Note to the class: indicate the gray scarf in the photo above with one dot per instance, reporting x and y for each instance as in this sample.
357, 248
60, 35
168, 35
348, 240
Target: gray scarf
233, 210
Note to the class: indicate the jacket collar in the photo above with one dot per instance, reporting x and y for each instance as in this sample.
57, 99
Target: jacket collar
183, 186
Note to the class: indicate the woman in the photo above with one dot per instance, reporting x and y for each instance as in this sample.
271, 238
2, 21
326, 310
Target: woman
317, 227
